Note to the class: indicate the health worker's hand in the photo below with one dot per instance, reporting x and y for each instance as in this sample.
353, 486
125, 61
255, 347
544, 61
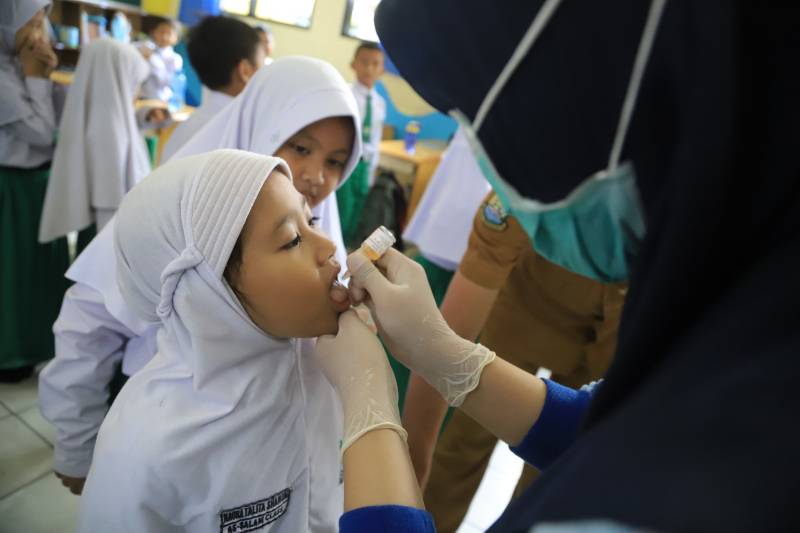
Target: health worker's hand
355, 364
397, 292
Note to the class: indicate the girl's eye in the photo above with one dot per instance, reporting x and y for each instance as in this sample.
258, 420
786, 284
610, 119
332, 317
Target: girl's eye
294, 242
313, 221
299, 148
336, 164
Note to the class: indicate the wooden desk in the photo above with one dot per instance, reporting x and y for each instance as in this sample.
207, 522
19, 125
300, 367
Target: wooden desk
64, 77
412, 171
164, 133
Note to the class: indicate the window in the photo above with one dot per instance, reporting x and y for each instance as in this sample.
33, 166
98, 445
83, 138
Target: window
359, 20
293, 12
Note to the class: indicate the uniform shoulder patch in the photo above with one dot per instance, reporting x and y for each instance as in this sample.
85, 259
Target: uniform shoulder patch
255, 515
493, 214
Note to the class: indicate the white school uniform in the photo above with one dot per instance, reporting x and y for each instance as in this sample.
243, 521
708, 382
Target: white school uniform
96, 329
213, 434
442, 222
164, 64
27, 116
101, 154
371, 149
213, 102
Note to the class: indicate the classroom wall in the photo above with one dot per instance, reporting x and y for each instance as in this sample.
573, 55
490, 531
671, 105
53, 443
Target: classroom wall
325, 40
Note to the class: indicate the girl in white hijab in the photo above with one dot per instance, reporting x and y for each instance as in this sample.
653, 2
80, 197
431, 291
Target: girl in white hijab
221, 252
27, 116
100, 154
289, 109
31, 279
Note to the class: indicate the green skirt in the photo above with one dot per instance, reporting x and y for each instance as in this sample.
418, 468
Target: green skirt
32, 282
351, 198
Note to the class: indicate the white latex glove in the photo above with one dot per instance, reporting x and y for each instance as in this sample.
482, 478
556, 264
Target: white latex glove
356, 365
410, 323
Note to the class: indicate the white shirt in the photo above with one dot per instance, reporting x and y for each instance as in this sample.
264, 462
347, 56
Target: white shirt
213, 102
164, 63
371, 148
27, 133
442, 223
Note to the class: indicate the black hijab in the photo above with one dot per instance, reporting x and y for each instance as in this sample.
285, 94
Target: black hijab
696, 425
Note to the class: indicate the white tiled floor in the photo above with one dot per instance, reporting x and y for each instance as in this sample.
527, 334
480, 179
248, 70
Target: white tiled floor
33, 500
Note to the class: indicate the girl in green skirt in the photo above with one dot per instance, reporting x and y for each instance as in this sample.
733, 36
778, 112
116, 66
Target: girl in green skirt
31, 275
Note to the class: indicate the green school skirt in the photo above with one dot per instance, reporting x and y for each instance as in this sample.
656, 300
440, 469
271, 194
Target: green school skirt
351, 198
32, 282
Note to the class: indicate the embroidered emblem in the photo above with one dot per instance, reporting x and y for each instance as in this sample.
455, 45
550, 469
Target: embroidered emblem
493, 214
255, 515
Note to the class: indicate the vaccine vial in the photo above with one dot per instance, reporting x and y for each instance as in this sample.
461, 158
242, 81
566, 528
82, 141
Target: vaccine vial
377, 243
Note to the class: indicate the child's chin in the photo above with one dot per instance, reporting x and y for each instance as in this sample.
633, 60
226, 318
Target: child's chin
327, 326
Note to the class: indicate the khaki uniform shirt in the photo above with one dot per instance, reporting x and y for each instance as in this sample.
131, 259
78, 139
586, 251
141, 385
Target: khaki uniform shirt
544, 316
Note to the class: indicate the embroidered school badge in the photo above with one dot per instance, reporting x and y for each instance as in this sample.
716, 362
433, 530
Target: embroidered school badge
493, 214
255, 515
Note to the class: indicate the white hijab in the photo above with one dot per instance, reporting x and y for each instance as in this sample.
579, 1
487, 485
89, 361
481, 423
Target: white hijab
277, 103
15, 14
213, 432
443, 220
100, 153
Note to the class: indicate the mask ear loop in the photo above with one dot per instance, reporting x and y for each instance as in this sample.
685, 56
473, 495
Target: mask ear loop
535, 29
639, 65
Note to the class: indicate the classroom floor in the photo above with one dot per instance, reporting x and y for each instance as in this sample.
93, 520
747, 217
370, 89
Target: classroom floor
33, 500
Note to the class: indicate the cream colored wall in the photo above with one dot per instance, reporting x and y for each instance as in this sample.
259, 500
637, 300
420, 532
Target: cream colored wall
325, 40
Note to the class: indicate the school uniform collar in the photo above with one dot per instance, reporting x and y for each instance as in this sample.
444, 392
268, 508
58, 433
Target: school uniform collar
363, 89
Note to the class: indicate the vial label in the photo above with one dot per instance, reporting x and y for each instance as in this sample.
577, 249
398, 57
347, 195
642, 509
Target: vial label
377, 243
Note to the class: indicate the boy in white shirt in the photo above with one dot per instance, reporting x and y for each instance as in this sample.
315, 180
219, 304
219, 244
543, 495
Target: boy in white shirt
164, 60
226, 53
368, 66
267, 42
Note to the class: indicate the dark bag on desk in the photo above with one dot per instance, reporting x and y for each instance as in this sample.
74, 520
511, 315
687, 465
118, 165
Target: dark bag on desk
385, 206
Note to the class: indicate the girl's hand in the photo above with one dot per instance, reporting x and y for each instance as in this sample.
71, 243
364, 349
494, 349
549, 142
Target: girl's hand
37, 56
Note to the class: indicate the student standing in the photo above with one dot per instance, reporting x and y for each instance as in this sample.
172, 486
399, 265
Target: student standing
31, 274
164, 61
101, 153
368, 66
267, 39
225, 53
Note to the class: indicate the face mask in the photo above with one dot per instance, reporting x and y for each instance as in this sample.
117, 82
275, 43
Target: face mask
596, 230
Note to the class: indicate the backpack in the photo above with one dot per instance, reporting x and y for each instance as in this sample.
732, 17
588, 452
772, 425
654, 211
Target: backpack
385, 206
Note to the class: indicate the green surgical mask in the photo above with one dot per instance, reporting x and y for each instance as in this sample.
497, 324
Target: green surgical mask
596, 230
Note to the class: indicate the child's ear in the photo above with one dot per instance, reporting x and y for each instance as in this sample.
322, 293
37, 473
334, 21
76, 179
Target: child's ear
353, 64
245, 70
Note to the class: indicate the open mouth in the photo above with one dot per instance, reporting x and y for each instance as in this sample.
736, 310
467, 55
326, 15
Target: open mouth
336, 288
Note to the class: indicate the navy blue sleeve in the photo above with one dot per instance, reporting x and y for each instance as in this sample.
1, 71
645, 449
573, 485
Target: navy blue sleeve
386, 518
557, 426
